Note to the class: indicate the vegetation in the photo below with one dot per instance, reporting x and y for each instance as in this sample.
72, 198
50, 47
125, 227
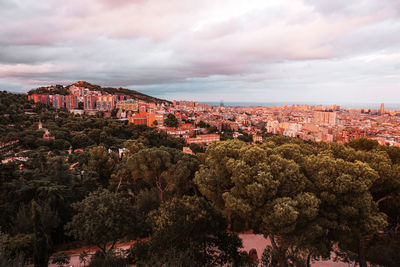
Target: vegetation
312, 200
187, 232
171, 120
102, 217
55, 90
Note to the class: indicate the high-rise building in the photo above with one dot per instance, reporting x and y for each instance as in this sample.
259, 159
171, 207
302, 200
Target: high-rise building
105, 103
89, 102
71, 102
39, 98
382, 110
58, 101
151, 118
142, 107
322, 117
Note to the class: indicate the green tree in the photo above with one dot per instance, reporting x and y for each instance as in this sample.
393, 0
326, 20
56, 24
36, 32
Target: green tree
171, 120
196, 148
202, 124
214, 177
347, 207
61, 259
288, 194
101, 219
81, 141
102, 163
133, 146
45, 220
167, 169
187, 230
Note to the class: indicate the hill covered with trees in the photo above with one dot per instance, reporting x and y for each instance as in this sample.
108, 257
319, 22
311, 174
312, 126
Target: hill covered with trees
59, 89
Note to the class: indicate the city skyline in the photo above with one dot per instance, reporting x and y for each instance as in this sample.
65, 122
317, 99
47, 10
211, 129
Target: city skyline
260, 51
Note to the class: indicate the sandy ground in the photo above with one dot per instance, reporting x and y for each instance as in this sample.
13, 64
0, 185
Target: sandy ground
259, 243
249, 241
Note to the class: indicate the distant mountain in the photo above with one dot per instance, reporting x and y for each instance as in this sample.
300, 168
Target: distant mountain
59, 89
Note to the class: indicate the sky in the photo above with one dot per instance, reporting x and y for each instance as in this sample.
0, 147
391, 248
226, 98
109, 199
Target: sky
210, 50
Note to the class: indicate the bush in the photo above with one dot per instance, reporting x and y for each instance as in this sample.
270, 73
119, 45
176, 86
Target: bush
61, 259
109, 259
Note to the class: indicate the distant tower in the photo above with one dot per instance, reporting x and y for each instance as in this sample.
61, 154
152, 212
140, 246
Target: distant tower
221, 104
382, 110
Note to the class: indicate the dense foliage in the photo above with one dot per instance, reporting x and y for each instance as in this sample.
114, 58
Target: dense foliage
311, 200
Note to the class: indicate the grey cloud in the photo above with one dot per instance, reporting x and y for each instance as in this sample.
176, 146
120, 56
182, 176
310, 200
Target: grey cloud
263, 53
354, 7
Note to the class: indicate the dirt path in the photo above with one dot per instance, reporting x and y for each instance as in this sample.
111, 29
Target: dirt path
249, 241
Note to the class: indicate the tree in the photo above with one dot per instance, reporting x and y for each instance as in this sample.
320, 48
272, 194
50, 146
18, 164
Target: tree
363, 144
103, 163
45, 220
202, 124
214, 177
288, 195
81, 141
188, 230
61, 259
167, 169
385, 190
101, 219
267, 191
196, 148
133, 146
347, 208
171, 121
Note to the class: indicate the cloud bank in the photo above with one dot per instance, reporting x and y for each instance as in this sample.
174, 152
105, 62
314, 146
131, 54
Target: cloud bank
287, 50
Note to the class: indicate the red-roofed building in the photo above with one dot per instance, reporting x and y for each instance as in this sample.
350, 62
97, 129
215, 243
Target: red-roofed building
139, 118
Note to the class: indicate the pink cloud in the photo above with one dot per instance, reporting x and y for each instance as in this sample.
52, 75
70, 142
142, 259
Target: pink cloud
120, 3
144, 42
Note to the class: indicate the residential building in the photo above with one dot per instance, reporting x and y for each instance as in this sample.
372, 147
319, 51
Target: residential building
58, 101
203, 139
71, 102
89, 102
105, 103
153, 117
138, 118
127, 105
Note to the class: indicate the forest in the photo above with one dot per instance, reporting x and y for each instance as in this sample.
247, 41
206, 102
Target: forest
101, 181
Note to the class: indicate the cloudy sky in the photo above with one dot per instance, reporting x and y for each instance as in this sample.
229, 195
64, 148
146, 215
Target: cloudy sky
235, 50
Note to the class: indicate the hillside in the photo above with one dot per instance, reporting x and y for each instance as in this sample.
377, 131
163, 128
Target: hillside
59, 89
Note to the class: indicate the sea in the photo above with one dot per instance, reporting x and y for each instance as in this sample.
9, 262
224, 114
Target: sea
389, 106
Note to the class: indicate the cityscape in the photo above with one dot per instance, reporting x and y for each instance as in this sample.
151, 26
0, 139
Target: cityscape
185, 133
311, 123
140, 132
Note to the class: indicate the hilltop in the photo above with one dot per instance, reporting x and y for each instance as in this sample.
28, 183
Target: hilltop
63, 90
